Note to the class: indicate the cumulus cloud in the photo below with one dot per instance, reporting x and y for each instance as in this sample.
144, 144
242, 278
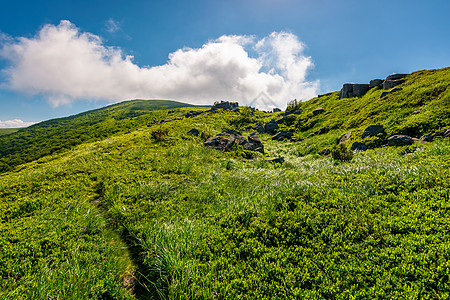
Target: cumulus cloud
66, 65
15, 123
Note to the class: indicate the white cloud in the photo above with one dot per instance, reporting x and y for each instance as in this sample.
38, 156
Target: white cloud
112, 26
15, 123
66, 65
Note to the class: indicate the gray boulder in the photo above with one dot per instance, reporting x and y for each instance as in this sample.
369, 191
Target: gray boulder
325, 152
226, 139
193, 113
426, 137
372, 130
282, 135
259, 127
345, 137
282, 120
293, 112
255, 143
417, 111
375, 83
194, 132
226, 105
396, 76
357, 146
278, 160
400, 140
389, 84
350, 90
384, 94
271, 126
318, 111
276, 109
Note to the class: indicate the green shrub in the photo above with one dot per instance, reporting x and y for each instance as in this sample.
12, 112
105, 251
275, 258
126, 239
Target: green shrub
159, 134
341, 152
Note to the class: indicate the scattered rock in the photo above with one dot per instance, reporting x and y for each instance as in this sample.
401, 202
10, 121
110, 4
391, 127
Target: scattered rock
256, 143
372, 130
396, 76
383, 94
226, 105
427, 137
357, 146
325, 152
345, 137
155, 122
259, 127
400, 140
271, 126
193, 113
226, 139
276, 109
282, 120
445, 133
293, 112
194, 132
417, 111
389, 84
166, 120
318, 111
296, 140
282, 135
376, 83
350, 90
278, 160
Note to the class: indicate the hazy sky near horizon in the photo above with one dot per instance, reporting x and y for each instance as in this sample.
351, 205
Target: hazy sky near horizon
59, 58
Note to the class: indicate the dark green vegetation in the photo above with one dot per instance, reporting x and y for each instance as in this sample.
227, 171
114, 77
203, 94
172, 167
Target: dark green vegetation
4, 131
54, 135
153, 214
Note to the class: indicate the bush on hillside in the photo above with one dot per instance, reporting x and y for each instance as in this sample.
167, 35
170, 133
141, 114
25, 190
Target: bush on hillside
341, 152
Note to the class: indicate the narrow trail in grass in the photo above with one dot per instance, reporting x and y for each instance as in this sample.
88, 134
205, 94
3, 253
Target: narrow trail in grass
135, 279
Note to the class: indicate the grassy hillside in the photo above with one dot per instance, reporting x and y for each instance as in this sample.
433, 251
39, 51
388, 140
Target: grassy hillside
152, 214
47, 137
4, 131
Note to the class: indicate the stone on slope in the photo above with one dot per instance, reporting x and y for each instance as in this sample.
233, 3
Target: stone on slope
400, 140
282, 135
372, 130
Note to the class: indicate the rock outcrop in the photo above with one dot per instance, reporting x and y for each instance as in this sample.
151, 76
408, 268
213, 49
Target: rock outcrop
271, 126
325, 152
226, 139
193, 113
372, 130
350, 90
389, 84
400, 140
318, 110
194, 132
357, 146
345, 137
282, 135
226, 105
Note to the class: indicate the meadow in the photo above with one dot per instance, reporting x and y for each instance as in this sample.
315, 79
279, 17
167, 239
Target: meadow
152, 214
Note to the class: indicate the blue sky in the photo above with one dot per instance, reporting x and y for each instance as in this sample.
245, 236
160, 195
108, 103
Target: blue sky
63, 57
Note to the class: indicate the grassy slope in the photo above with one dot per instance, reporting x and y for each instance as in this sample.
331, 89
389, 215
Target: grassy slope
205, 224
4, 131
58, 134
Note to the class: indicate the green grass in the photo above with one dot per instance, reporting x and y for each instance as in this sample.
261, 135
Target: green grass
5, 131
152, 214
